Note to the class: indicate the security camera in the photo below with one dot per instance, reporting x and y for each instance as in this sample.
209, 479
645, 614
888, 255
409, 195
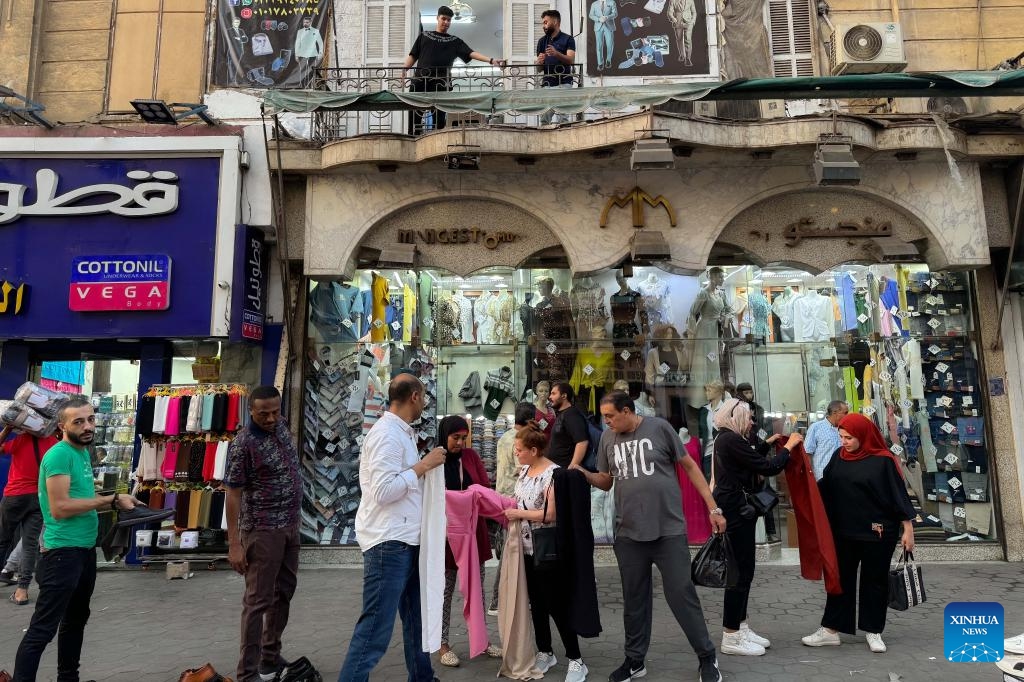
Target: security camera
462, 157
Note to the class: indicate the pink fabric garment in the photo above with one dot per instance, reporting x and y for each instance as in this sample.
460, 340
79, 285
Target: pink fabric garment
173, 412
463, 508
170, 460
698, 523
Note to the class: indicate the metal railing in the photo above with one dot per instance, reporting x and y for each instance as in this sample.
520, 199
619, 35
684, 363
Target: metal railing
328, 126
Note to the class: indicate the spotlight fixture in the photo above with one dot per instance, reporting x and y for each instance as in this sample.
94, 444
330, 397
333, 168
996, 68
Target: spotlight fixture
160, 112
893, 250
834, 163
627, 270
398, 255
651, 154
648, 245
462, 157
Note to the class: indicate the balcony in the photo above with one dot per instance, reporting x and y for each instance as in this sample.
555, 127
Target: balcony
398, 118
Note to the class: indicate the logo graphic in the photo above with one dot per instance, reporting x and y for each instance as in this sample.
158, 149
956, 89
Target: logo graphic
104, 283
973, 632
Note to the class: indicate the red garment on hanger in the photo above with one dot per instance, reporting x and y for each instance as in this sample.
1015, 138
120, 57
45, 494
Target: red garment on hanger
814, 534
233, 416
698, 523
209, 459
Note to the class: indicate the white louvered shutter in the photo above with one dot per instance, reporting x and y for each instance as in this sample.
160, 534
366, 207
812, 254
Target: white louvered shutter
386, 33
522, 25
791, 37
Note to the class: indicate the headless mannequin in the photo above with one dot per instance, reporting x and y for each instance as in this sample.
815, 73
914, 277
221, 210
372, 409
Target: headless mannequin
629, 327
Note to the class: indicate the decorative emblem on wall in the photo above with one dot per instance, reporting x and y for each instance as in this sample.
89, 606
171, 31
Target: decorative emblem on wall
7, 305
805, 228
638, 198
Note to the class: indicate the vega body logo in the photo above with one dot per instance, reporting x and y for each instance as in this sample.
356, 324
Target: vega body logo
973, 632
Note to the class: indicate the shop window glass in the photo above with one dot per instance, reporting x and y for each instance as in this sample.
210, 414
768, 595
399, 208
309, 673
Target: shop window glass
892, 341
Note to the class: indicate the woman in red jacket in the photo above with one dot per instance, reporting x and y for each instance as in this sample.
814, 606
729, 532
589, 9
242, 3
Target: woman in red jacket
869, 510
462, 468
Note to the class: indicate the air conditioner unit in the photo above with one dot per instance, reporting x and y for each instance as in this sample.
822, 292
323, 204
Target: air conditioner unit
950, 107
741, 110
867, 48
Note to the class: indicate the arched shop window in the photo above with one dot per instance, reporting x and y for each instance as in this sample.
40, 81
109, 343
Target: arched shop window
893, 341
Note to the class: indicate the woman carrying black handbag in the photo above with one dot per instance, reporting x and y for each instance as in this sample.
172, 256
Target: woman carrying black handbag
739, 462
869, 509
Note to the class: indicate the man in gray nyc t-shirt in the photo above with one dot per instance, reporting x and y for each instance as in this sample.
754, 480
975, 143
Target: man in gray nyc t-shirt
639, 454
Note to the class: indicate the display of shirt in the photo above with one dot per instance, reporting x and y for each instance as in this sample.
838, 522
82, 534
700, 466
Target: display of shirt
465, 317
782, 306
501, 309
625, 308
483, 319
380, 300
755, 315
587, 302
408, 313
657, 300
447, 320
812, 317
499, 386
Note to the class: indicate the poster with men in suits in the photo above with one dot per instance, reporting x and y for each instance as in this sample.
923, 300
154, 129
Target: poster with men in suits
647, 38
270, 43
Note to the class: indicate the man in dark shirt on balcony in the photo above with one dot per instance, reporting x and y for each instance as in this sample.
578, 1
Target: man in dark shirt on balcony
433, 53
556, 52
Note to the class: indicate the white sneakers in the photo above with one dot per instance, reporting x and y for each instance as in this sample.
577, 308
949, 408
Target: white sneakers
1014, 645
577, 671
544, 661
754, 637
738, 644
875, 643
822, 637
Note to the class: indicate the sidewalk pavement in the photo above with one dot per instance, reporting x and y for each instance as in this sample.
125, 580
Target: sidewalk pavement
144, 627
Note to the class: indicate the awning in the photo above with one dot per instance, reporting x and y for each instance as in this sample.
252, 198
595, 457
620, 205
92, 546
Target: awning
617, 97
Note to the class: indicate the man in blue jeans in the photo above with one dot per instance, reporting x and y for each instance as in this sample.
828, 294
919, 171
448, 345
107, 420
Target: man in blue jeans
388, 530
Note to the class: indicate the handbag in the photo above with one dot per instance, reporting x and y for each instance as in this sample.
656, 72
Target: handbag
545, 540
764, 500
715, 565
906, 584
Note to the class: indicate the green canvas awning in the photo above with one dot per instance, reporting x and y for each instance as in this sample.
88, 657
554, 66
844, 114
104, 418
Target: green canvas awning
616, 97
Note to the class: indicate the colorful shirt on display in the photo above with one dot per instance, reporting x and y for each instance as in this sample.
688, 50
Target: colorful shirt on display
499, 387
265, 466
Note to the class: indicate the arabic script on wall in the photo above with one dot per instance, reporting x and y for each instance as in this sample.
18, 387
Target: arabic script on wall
12, 304
153, 194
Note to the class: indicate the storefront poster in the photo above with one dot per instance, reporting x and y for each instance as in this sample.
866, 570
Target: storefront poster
250, 286
80, 226
269, 43
647, 38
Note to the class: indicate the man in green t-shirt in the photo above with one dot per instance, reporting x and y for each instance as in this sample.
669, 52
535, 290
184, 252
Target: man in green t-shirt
66, 571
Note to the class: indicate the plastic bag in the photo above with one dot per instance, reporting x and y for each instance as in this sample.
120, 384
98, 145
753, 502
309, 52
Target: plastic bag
20, 416
715, 565
42, 400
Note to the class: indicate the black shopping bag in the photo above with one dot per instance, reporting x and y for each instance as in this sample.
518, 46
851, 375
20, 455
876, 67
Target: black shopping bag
715, 565
906, 585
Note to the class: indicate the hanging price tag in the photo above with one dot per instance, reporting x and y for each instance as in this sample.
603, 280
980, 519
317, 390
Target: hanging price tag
396, 325
378, 323
885, 376
933, 451
328, 462
934, 323
960, 512
551, 348
664, 368
347, 323
893, 310
901, 365
951, 459
896, 449
862, 318
713, 357
941, 367
543, 424
948, 428
945, 401
906, 404
954, 483
856, 383
872, 363
931, 300
967, 401
934, 350
588, 370
495, 404
903, 314
932, 283
762, 434
625, 355
868, 410
840, 384
330, 447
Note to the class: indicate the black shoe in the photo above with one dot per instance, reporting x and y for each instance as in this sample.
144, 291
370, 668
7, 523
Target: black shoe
141, 514
629, 670
708, 670
272, 673
7, 578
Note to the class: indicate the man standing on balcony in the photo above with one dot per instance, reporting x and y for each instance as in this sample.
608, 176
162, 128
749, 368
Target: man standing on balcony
433, 53
556, 52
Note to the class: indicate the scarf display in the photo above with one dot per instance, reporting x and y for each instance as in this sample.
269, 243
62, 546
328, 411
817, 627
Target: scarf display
871, 441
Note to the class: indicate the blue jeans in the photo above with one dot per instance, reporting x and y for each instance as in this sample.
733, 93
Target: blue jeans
391, 585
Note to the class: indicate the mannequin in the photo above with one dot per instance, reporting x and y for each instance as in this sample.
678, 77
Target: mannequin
813, 319
545, 415
501, 309
482, 316
714, 392
782, 307
707, 314
629, 326
755, 317
666, 374
656, 299
587, 302
336, 311
465, 316
593, 373
446, 321
554, 351
643, 402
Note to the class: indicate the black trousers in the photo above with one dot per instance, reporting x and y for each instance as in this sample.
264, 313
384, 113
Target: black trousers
741, 538
66, 580
548, 601
873, 557
21, 511
427, 84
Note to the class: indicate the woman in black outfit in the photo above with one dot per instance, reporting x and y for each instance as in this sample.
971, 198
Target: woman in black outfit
869, 509
737, 465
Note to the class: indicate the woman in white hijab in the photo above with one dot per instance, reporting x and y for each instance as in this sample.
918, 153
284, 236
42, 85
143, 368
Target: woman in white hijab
739, 462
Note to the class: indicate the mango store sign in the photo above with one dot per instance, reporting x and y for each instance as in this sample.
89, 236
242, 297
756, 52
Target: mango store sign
122, 283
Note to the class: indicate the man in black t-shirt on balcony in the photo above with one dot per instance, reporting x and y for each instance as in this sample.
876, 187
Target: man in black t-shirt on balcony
433, 53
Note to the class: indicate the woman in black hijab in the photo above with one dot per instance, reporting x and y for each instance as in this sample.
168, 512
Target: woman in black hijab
462, 468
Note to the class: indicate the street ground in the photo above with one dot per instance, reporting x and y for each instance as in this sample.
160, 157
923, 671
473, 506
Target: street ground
145, 627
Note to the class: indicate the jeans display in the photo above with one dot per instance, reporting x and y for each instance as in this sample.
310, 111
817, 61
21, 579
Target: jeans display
892, 341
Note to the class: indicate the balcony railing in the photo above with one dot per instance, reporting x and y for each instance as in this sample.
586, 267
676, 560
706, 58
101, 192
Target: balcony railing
328, 126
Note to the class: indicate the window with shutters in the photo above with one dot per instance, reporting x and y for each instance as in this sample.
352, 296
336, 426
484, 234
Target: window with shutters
385, 33
791, 23
154, 53
524, 30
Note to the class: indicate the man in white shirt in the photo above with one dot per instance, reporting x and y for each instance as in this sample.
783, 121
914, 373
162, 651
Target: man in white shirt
822, 439
388, 531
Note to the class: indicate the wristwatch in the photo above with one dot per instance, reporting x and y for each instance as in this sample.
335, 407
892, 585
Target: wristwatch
716, 511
